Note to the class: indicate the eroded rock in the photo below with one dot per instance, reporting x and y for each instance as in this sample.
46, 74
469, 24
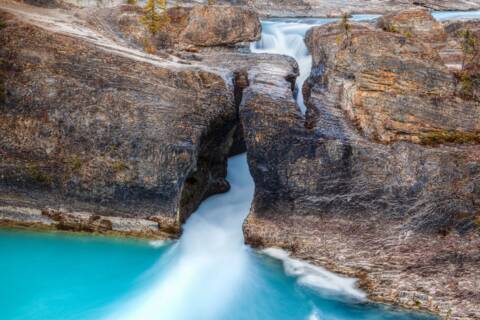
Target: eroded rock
360, 184
188, 27
390, 86
110, 132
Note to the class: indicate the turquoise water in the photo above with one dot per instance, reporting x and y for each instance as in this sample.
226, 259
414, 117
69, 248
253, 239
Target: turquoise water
58, 276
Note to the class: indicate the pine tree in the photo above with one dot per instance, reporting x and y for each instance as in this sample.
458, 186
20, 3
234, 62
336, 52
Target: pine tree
345, 27
468, 47
155, 15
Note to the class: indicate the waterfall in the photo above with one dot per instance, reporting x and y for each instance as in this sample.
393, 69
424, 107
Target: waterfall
209, 261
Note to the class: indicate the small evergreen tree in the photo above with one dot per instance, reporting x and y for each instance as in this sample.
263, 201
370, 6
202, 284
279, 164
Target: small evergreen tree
469, 76
155, 15
469, 48
346, 28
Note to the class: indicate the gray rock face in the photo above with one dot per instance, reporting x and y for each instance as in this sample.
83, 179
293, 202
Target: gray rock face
221, 25
387, 154
91, 124
122, 135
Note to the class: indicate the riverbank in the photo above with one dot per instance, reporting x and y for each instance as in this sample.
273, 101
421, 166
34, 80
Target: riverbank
82, 222
420, 272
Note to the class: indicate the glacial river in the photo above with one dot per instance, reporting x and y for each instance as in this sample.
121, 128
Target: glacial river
208, 274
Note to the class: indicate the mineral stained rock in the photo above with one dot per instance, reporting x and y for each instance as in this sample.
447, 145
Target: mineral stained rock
91, 126
381, 179
187, 28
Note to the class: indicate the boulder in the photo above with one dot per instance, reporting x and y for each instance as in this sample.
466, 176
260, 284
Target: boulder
221, 25
187, 27
415, 23
390, 86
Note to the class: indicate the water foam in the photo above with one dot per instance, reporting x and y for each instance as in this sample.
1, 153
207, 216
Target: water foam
158, 243
317, 278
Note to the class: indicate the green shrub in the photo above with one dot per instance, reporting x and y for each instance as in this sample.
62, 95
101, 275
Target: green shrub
408, 34
390, 28
119, 166
477, 220
74, 162
440, 137
155, 15
38, 175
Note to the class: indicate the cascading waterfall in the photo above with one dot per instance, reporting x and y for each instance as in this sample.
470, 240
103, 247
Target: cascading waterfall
209, 262
286, 37
209, 274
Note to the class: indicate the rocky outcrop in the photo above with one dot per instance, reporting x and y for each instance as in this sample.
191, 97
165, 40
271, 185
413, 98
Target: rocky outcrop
381, 179
415, 23
95, 130
122, 135
90, 124
392, 87
189, 28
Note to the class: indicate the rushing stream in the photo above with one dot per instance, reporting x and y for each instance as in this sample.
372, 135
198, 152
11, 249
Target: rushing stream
208, 274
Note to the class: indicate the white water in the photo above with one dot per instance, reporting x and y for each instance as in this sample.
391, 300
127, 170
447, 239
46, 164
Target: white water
287, 37
208, 263
207, 270
317, 277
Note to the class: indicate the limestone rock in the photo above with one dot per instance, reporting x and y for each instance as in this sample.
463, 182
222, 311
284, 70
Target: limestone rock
221, 25
109, 132
390, 86
381, 178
